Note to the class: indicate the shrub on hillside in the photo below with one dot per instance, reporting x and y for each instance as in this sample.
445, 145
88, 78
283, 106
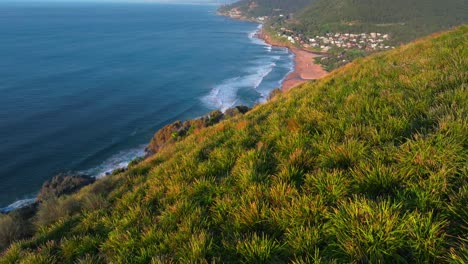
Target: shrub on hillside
56, 208
276, 92
12, 228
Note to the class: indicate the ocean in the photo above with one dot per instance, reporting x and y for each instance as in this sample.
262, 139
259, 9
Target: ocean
83, 87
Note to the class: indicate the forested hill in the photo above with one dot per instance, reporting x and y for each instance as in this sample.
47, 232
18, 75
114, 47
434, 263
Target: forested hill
404, 19
367, 165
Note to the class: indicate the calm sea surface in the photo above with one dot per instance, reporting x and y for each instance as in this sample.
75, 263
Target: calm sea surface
83, 87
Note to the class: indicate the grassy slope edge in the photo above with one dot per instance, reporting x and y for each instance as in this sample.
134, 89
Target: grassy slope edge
366, 165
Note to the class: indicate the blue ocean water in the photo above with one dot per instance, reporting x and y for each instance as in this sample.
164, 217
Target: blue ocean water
83, 87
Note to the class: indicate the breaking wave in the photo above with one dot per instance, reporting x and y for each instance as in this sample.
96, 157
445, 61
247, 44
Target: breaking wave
119, 160
17, 205
225, 95
254, 39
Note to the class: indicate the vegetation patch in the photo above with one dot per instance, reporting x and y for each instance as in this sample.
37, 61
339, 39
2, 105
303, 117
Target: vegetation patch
367, 165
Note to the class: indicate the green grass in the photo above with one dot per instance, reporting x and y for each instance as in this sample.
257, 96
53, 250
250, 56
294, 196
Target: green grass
368, 165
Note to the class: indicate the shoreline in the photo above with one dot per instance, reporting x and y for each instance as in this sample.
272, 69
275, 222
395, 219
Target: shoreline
116, 162
305, 68
302, 72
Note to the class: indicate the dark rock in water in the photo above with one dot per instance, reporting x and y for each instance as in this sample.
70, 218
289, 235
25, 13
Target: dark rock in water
214, 118
63, 184
241, 109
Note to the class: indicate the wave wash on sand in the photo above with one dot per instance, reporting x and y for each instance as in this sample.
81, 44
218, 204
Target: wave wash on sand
227, 94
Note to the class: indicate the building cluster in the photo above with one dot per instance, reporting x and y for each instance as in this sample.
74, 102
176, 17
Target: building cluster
234, 13
262, 18
363, 41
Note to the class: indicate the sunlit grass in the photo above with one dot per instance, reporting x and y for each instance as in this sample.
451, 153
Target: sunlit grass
368, 165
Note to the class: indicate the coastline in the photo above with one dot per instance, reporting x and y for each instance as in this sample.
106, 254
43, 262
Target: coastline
299, 74
305, 68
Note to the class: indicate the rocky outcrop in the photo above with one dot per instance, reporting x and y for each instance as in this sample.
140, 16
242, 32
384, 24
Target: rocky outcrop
238, 110
62, 184
177, 130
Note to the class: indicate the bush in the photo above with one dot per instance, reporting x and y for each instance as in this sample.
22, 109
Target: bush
54, 209
12, 229
92, 201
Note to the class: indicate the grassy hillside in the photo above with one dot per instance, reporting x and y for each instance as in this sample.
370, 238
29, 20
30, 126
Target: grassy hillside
367, 165
404, 19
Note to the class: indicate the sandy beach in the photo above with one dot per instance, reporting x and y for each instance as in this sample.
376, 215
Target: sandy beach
305, 69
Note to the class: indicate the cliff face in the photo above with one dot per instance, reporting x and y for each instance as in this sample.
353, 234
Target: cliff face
366, 165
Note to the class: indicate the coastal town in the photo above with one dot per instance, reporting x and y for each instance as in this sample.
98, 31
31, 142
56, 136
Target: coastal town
373, 41
335, 49
365, 41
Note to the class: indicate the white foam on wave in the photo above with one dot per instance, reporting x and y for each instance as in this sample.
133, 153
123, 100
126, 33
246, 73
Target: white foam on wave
254, 39
17, 205
261, 74
119, 160
291, 68
253, 33
224, 95
116, 161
